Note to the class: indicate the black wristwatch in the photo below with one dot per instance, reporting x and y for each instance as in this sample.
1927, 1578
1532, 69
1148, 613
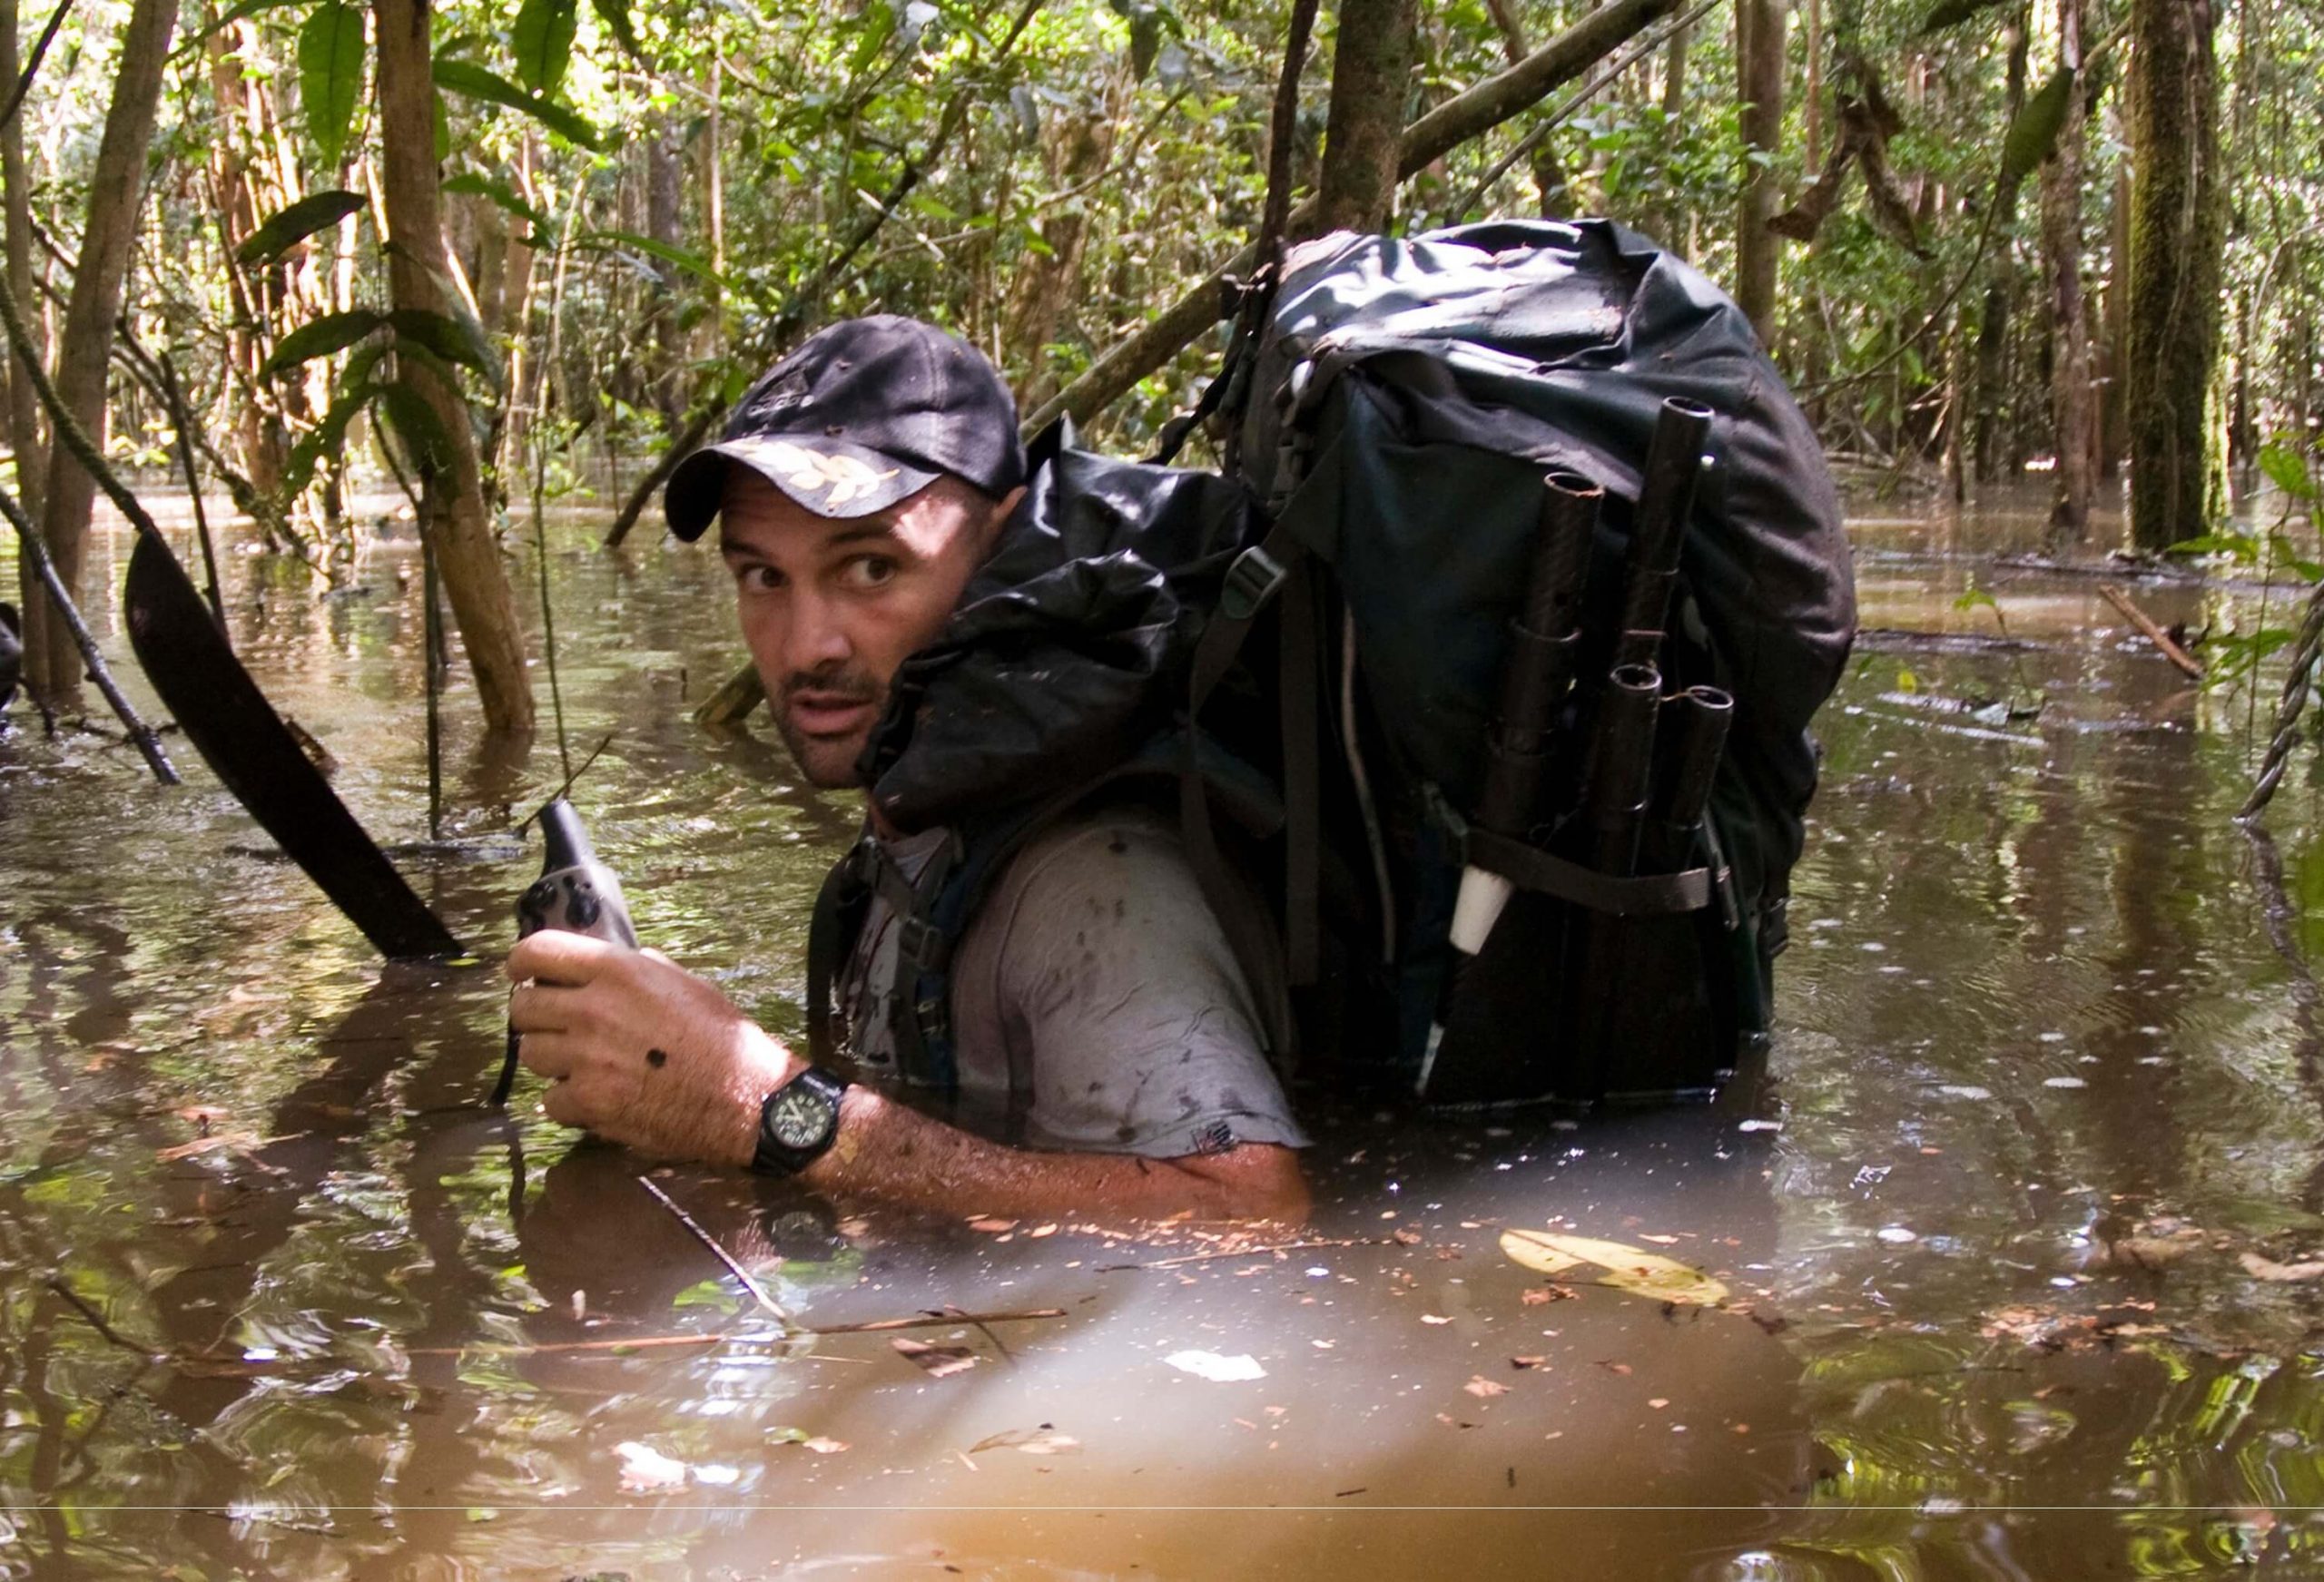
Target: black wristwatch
798, 1122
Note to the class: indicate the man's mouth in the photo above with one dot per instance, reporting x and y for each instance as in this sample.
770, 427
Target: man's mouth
821, 714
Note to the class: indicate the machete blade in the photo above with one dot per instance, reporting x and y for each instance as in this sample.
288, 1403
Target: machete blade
248, 747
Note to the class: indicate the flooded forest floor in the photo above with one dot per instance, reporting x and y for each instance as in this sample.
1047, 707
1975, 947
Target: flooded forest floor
2022, 1238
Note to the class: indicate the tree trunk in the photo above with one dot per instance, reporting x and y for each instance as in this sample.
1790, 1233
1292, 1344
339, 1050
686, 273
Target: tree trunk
23, 406
461, 534
1758, 56
1372, 68
661, 219
1044, 282
85, 345
2068, 333
2113, 433
2177, 232
2001, 286
1549, 176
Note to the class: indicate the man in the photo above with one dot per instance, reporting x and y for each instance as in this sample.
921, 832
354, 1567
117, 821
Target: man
1096, 1000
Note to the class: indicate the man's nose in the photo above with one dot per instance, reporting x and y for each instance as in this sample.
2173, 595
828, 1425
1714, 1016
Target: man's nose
818, 637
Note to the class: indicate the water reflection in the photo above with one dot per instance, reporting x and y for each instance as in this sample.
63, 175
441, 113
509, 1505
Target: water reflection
2023, 1287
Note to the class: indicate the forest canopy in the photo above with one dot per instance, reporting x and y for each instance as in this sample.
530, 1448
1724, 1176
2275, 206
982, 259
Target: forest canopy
492, 250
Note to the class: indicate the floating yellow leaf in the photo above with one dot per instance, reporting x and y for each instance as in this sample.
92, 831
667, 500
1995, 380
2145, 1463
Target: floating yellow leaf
1627, 1268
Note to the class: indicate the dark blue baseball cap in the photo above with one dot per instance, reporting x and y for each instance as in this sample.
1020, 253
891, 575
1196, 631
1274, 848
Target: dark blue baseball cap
862, 415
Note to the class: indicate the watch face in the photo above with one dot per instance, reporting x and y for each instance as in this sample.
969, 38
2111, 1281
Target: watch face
798, 1116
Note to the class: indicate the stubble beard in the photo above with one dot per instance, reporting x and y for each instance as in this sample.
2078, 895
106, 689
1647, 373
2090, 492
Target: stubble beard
827, 762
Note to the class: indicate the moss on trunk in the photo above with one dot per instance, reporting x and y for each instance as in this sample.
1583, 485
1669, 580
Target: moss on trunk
2178, 223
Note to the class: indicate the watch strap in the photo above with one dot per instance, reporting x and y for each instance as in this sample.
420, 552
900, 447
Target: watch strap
775, 1157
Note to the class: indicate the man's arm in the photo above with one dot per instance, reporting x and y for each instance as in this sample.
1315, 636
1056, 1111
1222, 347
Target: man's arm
647, 1055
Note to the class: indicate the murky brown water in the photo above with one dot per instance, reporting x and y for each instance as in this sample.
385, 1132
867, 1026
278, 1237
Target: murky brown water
2017, 1284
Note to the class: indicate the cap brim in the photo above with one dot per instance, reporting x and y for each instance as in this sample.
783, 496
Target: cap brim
831, 478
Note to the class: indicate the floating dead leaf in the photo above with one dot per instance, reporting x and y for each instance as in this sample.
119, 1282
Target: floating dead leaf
1485, 1389
1405, 1238
2156, 1248
1521, 1363
1043, 1440
991, 1226
1218, 1370
1659, 1402
202, 1115
1627, 1268
936, 1361
645, 1470
240, 1141
1434, 1318
1539, 1251
1619, 1370
824, 1446
2261, 1268
1661, 1241
1547, 1294
1038, 1231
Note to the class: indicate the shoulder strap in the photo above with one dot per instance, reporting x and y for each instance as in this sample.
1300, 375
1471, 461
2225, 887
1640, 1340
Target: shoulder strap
832, 932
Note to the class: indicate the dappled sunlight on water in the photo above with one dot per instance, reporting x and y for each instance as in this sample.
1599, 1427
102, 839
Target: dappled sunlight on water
2021, 1234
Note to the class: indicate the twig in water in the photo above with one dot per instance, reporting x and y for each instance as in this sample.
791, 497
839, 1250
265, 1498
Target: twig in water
932, 1319
1248, 1252
773, 1307
97, 1321
35, 553
2115, 595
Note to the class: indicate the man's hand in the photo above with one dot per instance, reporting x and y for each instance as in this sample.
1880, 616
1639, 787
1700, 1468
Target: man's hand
639, 1050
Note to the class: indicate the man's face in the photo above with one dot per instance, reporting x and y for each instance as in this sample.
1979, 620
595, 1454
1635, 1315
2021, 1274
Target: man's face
830, 608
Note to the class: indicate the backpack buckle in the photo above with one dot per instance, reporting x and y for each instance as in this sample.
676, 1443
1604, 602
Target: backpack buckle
1252, 580
920, 946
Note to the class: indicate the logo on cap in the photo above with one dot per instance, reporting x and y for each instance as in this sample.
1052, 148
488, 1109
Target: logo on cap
808, 470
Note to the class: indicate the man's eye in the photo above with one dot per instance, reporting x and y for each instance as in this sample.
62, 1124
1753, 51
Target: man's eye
870, 570
757, 579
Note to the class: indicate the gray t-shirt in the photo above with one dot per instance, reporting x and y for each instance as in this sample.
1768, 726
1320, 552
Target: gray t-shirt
1095, 998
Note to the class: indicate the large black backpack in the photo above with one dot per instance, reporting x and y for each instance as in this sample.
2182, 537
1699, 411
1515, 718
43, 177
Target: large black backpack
1302, 659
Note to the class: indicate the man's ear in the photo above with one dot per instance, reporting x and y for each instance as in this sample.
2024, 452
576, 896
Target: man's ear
1002, 510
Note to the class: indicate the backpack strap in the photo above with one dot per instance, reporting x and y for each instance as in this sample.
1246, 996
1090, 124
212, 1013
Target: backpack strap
832, 932
1645, 895
1274, 568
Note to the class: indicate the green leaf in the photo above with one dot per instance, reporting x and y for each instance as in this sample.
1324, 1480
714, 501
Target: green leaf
2035, 132
425, 440
330, 73
2241, 546
501, 195
1906, 681
284, 230
693, 263
1953, 13
449, 339
2287, 554
1976, 599
615, 14
471, 81
2287, 470
324, 440
879, 24
355, 374
321, 338
543, 38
